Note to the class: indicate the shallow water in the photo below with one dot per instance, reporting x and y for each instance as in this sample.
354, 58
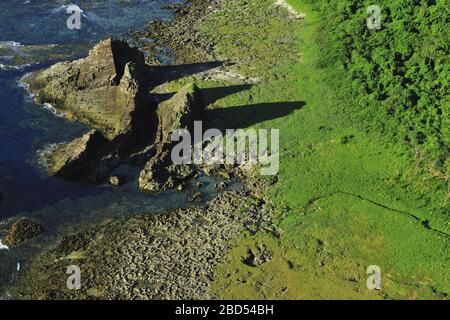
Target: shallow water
27, 129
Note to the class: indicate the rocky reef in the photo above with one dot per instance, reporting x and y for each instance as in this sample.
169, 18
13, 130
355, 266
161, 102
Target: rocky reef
151, 256
109, 91
21, 231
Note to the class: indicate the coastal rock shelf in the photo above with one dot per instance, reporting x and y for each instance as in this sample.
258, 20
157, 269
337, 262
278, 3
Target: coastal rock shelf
109, 91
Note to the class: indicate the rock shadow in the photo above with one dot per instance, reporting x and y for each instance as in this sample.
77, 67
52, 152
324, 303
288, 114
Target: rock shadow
212, 95
246, 116
157, 75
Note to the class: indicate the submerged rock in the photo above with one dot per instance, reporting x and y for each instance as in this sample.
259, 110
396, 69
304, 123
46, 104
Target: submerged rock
195, 197
116, 181
22, 231
179, 112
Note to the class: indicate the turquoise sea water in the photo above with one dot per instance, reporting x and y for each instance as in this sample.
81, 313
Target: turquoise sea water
32, 34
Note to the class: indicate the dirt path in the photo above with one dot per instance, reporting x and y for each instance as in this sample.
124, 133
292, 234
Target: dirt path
288, 7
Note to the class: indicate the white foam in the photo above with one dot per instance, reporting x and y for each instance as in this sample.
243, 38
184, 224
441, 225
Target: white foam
52, 109
7, 58
9, 67
43, 154
21, 83
10, 44
63, 8
6, 296
2, 246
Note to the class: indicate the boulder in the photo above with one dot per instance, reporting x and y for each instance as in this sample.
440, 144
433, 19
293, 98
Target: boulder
178, 112
22, 231
116, 181
105, 90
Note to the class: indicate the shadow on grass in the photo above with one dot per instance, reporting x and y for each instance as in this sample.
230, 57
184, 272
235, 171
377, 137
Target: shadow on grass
246, 116
157, 75
211, 95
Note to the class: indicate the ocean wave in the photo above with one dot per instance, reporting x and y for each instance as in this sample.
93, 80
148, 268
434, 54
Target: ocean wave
6, 296
7, 221
12, 67
10, 44
64, 8
43, 155
52, 109
21, 83
2, 246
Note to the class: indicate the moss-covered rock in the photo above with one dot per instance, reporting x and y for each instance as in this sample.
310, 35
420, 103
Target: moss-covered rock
22, 231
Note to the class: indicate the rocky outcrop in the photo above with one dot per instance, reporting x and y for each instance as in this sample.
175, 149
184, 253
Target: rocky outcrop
106, 90
80, 157
22, 231
109, 92
179, 112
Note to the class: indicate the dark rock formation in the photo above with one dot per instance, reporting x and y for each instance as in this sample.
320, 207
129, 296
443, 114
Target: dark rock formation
179, 112
258, 256
22, 231
106, 90
80, 157
109, 92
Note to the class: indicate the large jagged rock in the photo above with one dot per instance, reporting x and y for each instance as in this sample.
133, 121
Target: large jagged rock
109, 92
105, 90
79, 158
179, 112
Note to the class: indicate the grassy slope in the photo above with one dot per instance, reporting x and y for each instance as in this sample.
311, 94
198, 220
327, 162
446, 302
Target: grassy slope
346, 197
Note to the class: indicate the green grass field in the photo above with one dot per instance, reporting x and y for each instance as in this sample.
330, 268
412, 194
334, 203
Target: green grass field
349, 195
